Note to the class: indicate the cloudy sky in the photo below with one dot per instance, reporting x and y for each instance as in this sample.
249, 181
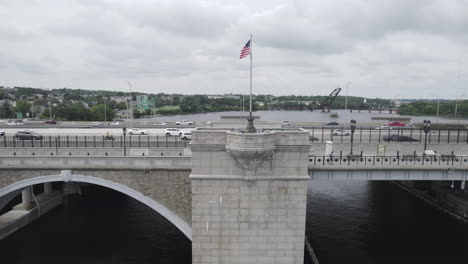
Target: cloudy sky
387, 49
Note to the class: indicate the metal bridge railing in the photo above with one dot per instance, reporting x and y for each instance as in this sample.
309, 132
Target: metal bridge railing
370, 134
387, 160
94, 142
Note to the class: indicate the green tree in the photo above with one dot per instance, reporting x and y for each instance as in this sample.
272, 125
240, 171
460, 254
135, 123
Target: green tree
7, 111
22, 107
100, 113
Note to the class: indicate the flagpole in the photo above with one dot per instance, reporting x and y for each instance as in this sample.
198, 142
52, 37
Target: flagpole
250, 126
251, 49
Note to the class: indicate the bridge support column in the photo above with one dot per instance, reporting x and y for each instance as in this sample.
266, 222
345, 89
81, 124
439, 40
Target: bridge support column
462, 185
26, 197
249, 193
48, 188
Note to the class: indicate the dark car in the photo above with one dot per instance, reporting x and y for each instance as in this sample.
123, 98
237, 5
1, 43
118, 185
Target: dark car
27, 135
312, 138
50, 122
399, 138
333, 124
2, 133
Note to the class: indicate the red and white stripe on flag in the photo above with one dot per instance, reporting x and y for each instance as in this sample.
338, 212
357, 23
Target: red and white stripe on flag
245, 50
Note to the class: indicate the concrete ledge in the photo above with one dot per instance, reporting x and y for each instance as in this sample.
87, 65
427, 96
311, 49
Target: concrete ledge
258, 178
16, 219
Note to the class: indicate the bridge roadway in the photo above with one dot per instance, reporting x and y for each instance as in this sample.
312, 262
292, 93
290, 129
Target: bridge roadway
320, 133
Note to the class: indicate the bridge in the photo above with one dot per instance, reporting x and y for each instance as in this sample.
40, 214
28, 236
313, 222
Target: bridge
240, 197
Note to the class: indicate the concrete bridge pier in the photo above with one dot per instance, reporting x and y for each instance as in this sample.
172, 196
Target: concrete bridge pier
249, 193
48, 188
26, 197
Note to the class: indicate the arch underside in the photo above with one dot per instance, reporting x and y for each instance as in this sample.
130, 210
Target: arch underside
164, 211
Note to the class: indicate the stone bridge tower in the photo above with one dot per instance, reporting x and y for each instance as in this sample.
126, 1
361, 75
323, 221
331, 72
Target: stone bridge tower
249, 193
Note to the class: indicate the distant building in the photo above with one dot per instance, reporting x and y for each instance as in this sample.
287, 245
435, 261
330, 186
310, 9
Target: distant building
224, 96
120, 99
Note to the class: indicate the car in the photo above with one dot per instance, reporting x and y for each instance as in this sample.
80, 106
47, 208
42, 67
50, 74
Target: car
50, 122
2, 133
159, 124
286, 123
340, 132
186, 135
332, 124
312, 138
395, 123
15, 123
116, 123
399, 138
96, 124
184, 123
172, 132
384, 128
27, 135
136, 131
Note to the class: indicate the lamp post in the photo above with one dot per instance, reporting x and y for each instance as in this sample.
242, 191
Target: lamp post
124, 131
353, 127
427, 128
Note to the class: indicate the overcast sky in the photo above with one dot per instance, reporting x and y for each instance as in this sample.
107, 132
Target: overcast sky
386, 49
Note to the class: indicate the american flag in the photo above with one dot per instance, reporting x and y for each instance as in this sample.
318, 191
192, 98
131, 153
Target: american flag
245, 50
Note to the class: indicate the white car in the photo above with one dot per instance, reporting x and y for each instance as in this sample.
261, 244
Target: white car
340, 132
114, 123
184, 123
136, 131
15, 123
286, 123
186, 135
172, 132
384, 128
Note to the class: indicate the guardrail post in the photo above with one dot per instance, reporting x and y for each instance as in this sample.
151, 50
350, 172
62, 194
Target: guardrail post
322, 134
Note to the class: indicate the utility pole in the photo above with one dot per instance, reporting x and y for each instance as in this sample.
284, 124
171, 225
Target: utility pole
105, 109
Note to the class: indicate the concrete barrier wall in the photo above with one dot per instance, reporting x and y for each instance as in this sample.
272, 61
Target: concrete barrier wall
95, 151
99, 163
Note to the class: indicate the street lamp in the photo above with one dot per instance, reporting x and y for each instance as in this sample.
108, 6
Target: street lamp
427, 128
124, 131
353, 127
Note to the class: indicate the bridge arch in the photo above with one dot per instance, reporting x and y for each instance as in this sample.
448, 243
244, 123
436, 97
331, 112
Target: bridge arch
69, 177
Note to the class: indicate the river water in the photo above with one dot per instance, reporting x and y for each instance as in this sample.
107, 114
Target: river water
307, 116
347, 222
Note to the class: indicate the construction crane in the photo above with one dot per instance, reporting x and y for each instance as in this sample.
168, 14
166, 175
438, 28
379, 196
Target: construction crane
327, 102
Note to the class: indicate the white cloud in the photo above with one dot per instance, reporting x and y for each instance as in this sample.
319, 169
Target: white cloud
385, 48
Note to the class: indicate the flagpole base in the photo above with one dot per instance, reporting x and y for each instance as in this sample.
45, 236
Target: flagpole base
250, 125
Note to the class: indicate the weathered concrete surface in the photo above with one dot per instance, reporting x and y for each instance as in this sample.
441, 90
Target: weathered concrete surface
249, 196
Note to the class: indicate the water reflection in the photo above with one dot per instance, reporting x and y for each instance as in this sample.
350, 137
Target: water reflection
375, 222
101, 226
